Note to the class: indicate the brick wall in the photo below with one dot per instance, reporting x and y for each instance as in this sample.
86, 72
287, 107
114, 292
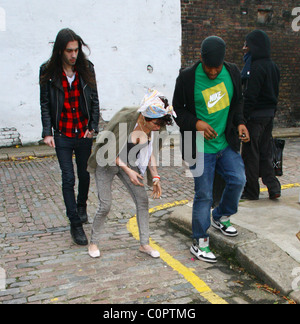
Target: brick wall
233, 20
9, 137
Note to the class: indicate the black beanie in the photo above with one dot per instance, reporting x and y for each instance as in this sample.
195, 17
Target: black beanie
213, 51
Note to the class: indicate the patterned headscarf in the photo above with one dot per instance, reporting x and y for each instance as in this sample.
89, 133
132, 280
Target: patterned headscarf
153, 107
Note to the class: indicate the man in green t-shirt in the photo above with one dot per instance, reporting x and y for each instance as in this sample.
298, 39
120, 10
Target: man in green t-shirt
208, 99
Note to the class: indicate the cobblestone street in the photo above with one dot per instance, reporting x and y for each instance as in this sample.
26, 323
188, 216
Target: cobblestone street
43, 265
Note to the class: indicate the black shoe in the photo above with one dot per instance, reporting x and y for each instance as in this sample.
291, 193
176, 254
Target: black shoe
78, 235
245, 197
82, 214
275, 196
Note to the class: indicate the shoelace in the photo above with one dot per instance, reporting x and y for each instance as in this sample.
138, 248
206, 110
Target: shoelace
205, 249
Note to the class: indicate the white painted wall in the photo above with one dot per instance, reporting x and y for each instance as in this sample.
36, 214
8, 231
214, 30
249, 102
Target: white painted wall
124, 36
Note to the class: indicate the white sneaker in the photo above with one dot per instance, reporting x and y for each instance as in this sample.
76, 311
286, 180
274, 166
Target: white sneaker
202, 251
225, 226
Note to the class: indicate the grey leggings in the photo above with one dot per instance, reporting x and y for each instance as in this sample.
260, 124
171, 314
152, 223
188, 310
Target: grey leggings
104, 179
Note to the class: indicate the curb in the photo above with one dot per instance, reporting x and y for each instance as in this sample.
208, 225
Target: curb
286, 132
258, 256
12, 154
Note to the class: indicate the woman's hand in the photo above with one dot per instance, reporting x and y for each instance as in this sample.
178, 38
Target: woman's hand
135, 177
157, 192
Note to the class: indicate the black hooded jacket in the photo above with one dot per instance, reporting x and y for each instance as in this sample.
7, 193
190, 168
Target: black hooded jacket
261, 95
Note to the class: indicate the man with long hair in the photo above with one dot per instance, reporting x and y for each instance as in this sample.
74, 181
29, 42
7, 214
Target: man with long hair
70, 117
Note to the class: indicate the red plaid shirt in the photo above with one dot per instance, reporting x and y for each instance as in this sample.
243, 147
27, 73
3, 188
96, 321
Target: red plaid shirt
72, 122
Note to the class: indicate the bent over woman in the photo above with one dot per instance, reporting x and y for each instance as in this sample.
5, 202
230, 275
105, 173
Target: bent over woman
134, 132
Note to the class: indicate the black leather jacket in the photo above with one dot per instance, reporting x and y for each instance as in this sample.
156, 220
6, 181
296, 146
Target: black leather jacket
52, 98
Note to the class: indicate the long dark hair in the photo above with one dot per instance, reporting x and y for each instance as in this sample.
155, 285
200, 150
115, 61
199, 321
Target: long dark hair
53, 67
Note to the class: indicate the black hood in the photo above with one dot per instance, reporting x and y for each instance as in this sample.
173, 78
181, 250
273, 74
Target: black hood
259, 44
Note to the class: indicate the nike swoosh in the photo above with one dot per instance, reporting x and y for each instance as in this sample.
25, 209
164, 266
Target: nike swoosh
212, 104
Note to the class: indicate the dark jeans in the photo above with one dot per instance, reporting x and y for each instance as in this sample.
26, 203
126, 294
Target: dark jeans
230, 166
65, 148
257, 156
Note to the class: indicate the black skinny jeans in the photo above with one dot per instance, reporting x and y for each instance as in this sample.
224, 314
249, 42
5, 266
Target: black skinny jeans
65, 148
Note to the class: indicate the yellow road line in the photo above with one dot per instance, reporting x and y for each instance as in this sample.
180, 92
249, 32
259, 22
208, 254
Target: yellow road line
284, 187
177, 266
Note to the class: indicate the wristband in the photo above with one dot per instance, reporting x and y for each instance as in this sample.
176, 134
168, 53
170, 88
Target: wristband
156, 179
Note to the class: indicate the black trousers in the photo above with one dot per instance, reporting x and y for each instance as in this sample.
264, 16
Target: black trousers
257, 156
65, 148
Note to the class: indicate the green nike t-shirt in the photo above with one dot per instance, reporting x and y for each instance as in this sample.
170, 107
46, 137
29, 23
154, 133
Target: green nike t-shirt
212, 100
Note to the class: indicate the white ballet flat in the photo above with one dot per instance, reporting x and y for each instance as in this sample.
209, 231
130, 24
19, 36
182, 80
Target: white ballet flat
94, 254
154, 254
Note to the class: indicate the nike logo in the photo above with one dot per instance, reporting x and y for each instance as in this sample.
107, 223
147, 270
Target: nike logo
215, 98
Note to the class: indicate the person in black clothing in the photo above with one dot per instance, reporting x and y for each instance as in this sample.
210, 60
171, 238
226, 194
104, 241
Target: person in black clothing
260, 105
245, 74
